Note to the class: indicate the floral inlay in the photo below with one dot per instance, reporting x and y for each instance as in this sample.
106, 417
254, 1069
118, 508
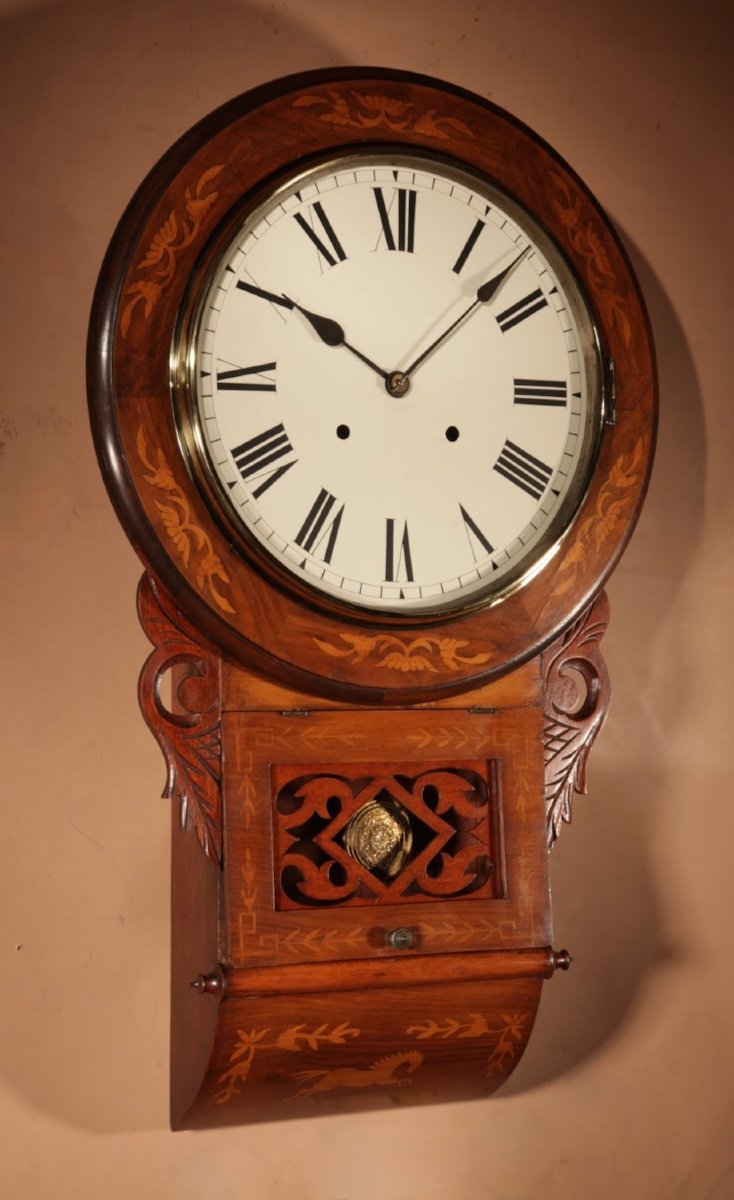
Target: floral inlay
609, 511
510, 1036
396, 655
296, 1038
369, 111
190, 540
176, 233
584, 239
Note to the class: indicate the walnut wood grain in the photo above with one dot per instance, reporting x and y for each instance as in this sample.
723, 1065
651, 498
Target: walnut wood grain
195, 946
536, 963
243, 690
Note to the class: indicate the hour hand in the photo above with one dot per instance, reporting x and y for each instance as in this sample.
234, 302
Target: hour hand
332, 334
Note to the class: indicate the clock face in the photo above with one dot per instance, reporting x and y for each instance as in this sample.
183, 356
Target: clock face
389, 385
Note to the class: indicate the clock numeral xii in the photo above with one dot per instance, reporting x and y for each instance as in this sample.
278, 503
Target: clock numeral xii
400, 234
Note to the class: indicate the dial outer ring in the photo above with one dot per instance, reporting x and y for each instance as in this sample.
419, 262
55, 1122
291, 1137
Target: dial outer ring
141, 292
190, 421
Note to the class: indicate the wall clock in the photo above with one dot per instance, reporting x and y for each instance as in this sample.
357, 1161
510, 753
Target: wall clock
372, 389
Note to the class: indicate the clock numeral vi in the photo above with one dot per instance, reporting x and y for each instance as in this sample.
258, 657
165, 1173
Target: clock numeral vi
334, 251
523, 469
321, 522
262, 458
398, 560
401, 235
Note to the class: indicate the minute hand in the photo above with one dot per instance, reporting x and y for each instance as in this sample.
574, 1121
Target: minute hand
485, 293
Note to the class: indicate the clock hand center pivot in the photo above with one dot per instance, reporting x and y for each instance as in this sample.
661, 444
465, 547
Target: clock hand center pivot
398, 383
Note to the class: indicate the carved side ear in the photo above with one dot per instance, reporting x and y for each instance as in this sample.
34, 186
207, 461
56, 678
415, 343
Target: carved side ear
577, 694
189, 731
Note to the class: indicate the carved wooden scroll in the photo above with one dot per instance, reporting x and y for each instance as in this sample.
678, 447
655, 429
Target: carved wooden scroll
576, 702
189, 731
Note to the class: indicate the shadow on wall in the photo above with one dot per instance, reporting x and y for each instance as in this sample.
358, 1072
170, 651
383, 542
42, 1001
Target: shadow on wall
109, 88
605, 904
91, 95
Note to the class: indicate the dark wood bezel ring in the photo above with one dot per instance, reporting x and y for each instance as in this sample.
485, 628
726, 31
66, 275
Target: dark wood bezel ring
317, 646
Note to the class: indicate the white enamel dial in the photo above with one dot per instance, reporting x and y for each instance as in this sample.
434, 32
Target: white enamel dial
394, 384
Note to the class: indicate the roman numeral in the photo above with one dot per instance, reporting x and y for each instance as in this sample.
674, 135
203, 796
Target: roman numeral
320, 522
548, 393
522, 309
468, 246
523, 469
272, 297
403, 237
334, 251
237, 379
397, 553
260, 458
474, 535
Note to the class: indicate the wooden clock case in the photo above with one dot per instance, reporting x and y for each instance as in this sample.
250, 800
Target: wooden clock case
303, 979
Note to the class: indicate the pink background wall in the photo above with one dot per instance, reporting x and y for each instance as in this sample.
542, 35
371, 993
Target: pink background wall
627, 1087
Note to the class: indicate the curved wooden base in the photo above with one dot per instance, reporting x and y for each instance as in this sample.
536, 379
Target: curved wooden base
278, 1056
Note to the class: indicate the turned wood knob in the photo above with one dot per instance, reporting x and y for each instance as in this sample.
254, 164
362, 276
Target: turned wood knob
212, 983
401, 938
